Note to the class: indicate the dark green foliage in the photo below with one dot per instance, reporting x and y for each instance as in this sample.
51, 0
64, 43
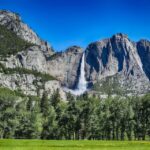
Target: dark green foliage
10, 43
49, 116
30, 120
44, 104
49, 127
55, 98
8, 115
6, 91
86, 117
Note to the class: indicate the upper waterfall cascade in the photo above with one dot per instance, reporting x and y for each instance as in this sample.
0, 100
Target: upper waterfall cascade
82, 84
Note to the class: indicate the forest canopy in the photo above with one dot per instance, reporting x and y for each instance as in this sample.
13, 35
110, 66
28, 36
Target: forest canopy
86, 117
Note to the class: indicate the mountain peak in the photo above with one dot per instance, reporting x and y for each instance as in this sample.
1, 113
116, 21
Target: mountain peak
12, 21
144, 41
120, 36
12, 15
75, 49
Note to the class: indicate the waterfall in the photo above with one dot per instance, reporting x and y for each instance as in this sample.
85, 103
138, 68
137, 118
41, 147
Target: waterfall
82, 84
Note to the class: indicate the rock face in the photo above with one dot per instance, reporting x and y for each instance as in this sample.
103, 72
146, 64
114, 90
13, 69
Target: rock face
33, 58
30, 85
40, 57
143, 48
119, 56
65, 66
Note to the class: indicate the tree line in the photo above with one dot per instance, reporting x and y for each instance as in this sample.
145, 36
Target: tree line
84, 117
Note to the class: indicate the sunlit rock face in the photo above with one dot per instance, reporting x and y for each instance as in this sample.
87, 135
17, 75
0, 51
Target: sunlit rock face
65, 66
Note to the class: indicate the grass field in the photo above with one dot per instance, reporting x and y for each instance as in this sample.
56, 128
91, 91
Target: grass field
72, 145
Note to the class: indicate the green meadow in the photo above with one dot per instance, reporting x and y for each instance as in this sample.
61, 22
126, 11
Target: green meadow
73, 145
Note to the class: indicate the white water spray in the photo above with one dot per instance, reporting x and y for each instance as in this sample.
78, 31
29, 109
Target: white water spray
82, 84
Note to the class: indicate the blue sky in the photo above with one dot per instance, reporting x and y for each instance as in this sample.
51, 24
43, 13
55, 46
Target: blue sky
79, 22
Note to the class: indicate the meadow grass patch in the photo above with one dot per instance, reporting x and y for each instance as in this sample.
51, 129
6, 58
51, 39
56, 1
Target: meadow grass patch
72, 145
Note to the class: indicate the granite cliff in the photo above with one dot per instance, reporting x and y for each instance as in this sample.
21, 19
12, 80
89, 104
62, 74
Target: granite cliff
120, 59
32, 77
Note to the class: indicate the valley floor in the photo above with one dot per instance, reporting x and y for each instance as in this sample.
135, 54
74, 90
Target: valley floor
72, 145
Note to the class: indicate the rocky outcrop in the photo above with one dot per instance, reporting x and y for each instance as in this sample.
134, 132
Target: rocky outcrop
117, 55
30, 85
33, 59
65, 66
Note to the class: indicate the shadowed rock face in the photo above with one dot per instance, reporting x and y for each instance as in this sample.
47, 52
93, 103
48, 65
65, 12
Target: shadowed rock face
143, 48
119, 55
109, 56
